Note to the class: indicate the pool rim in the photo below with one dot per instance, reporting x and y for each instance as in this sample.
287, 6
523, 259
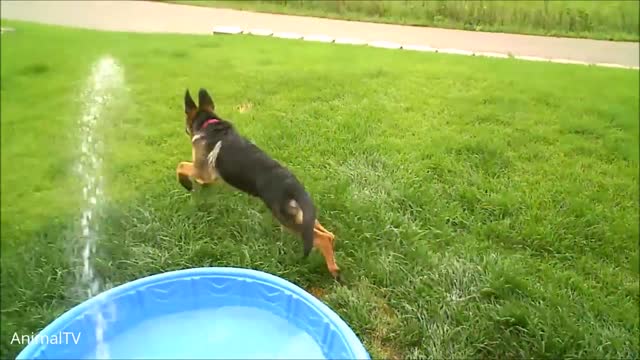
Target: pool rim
354, 343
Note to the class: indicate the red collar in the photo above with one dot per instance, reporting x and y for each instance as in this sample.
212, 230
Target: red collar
210, 121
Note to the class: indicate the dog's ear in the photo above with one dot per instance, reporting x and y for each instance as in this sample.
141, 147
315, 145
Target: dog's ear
205, 101
190, 110
189, 105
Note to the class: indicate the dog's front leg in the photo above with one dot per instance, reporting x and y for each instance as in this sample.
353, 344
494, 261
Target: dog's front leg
184, 172
202, 169
203, 173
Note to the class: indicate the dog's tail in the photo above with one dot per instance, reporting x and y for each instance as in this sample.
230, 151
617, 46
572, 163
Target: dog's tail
308, 218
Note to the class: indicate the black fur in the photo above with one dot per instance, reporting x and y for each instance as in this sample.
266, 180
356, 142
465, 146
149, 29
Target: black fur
246, 167
186, 182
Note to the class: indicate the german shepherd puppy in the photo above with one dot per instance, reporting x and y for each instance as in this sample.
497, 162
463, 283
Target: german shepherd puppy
220, 152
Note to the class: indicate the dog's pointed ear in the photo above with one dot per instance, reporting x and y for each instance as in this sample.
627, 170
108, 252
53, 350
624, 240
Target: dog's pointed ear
205, 102
189, 105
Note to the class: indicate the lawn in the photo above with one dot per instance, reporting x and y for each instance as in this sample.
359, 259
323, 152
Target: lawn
604, 20
483, 208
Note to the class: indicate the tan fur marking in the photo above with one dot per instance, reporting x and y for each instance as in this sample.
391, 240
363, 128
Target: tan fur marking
294, 209
299, 217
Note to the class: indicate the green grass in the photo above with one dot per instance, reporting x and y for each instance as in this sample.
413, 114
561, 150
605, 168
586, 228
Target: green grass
484, 208
605, 20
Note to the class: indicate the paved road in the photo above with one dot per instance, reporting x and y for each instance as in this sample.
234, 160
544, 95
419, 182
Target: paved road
147, 16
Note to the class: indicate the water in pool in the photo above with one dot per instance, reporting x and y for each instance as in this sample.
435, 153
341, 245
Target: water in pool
230, 332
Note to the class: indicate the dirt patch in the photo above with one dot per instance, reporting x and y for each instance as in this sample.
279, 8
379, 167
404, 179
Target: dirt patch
317, 292
387, 321
385, 328
244, 107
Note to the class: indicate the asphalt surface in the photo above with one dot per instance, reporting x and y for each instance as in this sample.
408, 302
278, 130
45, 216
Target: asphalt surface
148, 16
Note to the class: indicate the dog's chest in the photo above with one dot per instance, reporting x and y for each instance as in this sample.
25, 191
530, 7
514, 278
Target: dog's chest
204, 162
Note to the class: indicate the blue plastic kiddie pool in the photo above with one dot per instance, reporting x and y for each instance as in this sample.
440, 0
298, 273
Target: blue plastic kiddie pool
202, 313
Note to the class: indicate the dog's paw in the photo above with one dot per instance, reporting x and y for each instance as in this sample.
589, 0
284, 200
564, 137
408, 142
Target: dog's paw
337, 276
186, 183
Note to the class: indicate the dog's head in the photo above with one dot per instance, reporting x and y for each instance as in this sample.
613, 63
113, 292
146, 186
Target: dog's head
196, 116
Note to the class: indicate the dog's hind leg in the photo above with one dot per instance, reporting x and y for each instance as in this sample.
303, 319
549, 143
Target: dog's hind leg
321, 228
324, 243
291, 220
